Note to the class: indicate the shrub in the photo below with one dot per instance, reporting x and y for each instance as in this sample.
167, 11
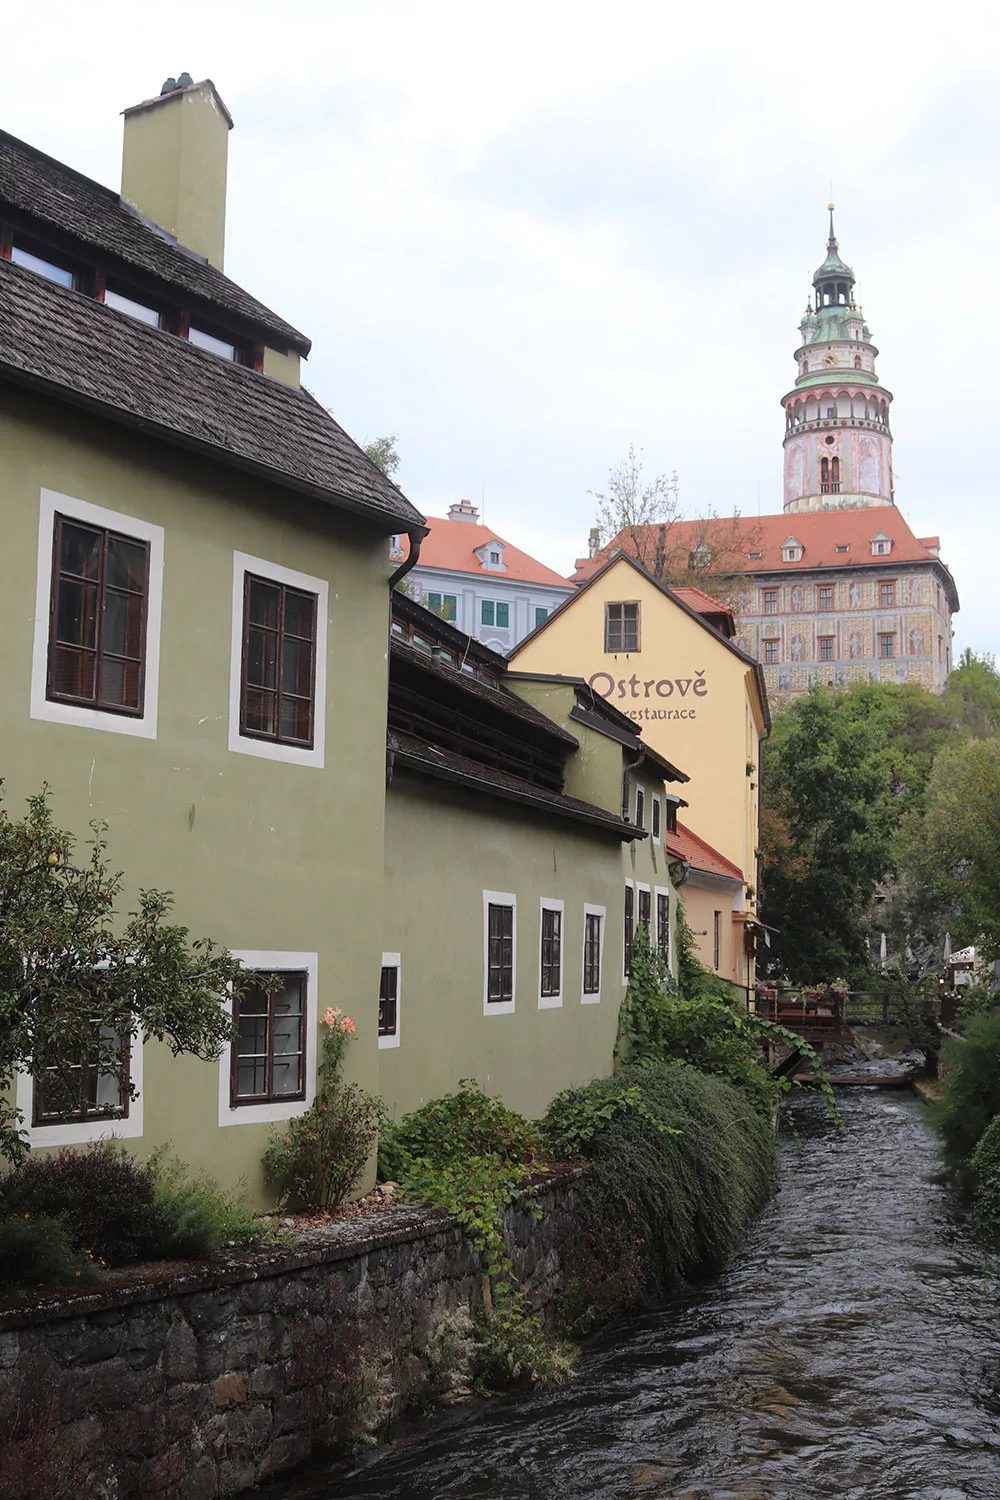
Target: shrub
35, 1251
199, 1215
104, 1198
316, 1158
985, 1164
457, 1126
972, 1091
686, 1173
512, 1348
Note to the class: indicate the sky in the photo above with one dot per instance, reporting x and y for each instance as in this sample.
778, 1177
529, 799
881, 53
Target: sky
525, 235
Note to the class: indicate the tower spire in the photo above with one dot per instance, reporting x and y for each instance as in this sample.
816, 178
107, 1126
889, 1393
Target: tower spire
831, 243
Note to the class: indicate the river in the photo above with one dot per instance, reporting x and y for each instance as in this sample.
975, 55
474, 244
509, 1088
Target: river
851, 1349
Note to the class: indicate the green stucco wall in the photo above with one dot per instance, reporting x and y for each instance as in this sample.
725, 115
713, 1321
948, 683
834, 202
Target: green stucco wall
260, 855
443, 849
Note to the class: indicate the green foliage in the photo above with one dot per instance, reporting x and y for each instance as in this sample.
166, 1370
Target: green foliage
35, 1250
950, 851
383, 453
985, 1167
316, 1158
470, 1123
971, 698
972, 1092
512, 1348
577, 1115
685, 1174
75, 981
841, 770
470, 1155
102, 1195
199, 1215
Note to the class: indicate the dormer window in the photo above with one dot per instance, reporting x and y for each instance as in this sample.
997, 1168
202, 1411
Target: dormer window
42, 267
791, 550
132, 309
490, 555
214, 345
881, 545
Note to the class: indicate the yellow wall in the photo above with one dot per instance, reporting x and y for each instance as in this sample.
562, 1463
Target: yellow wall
692, 697
174, 163
700, 905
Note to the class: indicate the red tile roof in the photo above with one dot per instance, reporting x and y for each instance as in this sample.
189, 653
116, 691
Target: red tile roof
451, 545
820, 532
700, 856
715, 612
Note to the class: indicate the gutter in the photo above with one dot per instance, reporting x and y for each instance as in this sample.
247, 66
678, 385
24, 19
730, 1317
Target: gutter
412, 558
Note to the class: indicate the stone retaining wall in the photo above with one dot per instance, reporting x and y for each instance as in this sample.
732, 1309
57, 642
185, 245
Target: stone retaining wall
212, 1378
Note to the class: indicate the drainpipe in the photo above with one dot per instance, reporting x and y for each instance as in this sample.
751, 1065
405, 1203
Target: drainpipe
412, 558
627, 783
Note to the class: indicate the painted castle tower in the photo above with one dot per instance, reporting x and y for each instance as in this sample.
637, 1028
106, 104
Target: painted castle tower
838, 447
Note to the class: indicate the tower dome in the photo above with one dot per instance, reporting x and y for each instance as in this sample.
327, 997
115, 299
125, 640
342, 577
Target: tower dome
838, 447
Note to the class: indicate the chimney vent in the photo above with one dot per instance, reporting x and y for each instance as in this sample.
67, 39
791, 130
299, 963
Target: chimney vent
593, 542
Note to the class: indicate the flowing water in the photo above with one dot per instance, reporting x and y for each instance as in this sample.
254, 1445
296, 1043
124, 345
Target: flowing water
851, 1349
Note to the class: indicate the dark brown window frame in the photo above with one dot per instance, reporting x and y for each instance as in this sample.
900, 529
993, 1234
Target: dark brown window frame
826, 641
644, 910
640, 807
623, 648
550, 959
499, 967
277, 692
825, 603
656, 819
770, 601
887, 586
592, 953
886, 639
716, 939
629, 929
83, 1115
241, 1101
663, 924
387, 1000
771, 653
107, 534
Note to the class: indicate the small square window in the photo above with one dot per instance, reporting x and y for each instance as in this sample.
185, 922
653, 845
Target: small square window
269, 1048
770, 601
621, 627
770, 652
495, 559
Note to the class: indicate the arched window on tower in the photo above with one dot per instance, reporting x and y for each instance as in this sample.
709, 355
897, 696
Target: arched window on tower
857, 361
824, 476
835, 476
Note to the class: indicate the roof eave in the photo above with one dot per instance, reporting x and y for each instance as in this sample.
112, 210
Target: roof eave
389, 524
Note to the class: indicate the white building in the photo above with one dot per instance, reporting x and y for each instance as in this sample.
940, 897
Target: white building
483, 584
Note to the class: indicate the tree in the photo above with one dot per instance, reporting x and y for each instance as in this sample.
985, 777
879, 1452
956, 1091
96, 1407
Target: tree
641, 516
383, 454
841, 771
972, 695
76, 983
950, 851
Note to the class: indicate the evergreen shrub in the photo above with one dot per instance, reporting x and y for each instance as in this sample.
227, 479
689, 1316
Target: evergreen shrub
676, 1181
972, 1092
103, 1197
985, 1165
35, 1251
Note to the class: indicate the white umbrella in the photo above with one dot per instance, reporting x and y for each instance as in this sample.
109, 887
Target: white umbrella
947, 949
883, 951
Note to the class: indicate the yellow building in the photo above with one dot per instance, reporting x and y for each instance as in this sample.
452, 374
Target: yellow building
697, 697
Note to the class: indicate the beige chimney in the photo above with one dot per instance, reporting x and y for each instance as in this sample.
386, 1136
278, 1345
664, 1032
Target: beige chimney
174, 163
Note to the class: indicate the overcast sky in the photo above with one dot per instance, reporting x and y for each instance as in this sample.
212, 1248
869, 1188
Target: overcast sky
524, 235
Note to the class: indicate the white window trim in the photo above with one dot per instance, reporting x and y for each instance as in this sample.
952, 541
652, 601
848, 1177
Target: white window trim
664, 890
141, 725
602, 912
552, 903
393, 961
272, 961
83, 1132
498, 1007
242, 744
